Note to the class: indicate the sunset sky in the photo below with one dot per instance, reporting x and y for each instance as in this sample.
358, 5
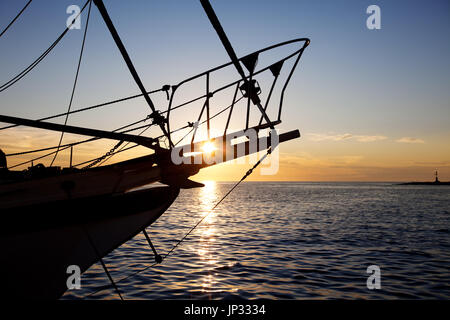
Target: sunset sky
371, 105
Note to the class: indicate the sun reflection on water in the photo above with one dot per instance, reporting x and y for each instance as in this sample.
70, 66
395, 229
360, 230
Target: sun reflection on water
206, 251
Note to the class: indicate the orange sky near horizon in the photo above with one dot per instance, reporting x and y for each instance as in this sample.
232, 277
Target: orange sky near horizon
309, 158
397, 162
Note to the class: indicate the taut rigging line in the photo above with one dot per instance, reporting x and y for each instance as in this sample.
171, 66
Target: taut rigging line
15, 18
25, 71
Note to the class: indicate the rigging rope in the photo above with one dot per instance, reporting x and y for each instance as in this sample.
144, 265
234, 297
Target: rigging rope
66, 146
123, 148
24, 72
86, 108
74, 83
80, 142
98, 160
112, 152
110, 155
13, 20
70, 145
249, 172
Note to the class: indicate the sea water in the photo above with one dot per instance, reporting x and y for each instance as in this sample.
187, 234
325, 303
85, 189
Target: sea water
289, 240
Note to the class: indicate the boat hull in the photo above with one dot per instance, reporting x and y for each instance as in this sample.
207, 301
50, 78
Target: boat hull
40, 243
80, 184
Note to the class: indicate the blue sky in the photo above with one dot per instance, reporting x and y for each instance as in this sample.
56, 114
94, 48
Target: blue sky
392, 83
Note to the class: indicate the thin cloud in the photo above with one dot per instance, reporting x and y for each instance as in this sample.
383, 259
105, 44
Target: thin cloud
409, 140
370, 138
317, 137
330, 137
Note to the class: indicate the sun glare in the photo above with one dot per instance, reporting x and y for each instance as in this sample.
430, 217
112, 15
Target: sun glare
208, 147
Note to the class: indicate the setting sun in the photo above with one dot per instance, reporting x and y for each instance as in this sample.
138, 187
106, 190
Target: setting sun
208, 147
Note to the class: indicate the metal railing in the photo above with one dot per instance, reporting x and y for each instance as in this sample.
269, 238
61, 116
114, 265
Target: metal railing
249, 62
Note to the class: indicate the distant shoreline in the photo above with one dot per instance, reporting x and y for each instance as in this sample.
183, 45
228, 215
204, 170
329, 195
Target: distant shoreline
368, 182
444, 183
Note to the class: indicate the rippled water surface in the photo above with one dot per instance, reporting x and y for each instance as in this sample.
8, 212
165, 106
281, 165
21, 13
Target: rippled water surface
289, 241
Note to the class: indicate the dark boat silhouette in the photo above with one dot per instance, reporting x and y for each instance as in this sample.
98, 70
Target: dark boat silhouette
55, 217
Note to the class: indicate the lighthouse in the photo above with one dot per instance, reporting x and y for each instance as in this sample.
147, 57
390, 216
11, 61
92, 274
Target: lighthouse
436, 180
